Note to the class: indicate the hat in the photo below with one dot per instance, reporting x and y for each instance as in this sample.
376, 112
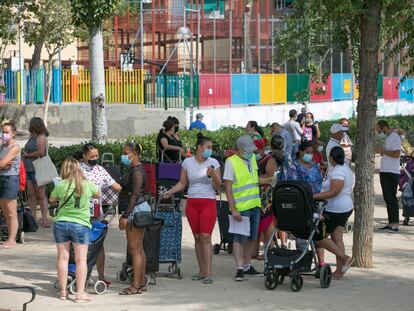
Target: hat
199, 115
246, 143
336, 128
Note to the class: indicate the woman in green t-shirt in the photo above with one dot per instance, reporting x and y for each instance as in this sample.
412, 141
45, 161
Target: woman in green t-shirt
72, 224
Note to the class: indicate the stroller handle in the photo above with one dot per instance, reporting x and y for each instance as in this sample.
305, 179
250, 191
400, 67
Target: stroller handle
29, 288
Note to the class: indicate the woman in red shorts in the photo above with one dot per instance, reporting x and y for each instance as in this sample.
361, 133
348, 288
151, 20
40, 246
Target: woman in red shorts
202, 174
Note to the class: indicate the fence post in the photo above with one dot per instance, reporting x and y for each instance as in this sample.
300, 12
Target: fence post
165, 93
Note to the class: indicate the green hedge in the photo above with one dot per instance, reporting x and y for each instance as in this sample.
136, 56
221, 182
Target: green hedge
224, 138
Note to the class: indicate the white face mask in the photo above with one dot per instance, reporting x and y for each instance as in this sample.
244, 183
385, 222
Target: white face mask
382, 135
402, 137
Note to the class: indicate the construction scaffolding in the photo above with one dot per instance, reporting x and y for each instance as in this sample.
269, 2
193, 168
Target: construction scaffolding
228, 35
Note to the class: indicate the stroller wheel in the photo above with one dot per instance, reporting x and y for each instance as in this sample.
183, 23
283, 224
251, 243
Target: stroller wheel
325, 276
121, 277
271, 280
349, 227
280, 278
230, 249
20, 238
100, 287
296, 283
179, 274
216, 249
72, 288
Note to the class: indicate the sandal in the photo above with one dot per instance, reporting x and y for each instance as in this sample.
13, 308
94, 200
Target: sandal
143, 288
80, 298
63, 295
347, 265
197, 277
132, 290
208, 281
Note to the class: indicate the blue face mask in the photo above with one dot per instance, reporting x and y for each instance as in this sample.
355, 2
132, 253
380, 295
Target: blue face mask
307, 157
207, 153
248, 155
125, 160
320, 148
258, 156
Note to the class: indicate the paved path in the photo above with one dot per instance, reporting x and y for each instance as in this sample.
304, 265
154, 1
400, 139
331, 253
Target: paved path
388, 286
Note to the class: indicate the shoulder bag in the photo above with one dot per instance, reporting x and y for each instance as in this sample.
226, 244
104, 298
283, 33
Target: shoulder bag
45, 170
143, 217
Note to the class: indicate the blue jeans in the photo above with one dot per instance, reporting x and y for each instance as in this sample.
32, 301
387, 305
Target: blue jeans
254, 216
64, 231
9, 187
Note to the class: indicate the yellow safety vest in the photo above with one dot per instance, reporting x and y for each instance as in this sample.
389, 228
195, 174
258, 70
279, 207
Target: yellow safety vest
246, 191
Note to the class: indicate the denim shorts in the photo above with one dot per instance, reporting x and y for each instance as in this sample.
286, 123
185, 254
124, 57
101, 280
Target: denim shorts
31, 176
65, 231
9, 187
254, 216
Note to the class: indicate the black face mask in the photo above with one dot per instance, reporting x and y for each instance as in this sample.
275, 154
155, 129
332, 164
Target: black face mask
92, 162
177, 128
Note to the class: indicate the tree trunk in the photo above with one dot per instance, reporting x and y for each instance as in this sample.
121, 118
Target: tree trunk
48, 89
97, 73
365, 160
248, 43
37, 55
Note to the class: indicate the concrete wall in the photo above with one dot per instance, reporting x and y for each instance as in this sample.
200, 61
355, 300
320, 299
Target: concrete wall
74, 120
239, 116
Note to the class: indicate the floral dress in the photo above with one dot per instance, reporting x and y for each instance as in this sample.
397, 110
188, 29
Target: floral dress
311, 176
101, 178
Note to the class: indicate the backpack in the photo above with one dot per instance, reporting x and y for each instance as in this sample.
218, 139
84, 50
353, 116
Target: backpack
23, 177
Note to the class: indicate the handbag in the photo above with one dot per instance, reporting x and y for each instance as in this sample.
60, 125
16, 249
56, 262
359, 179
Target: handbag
45, 170
143, 217
29, 223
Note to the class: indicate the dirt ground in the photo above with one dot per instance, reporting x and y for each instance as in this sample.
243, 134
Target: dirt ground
388, 286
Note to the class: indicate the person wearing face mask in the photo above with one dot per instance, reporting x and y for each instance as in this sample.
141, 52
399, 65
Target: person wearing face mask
311, 130
175, 135
241, 182
405, 144
337, 134
9, 180
318, 156
389, 173
346, 142
202, 174
168, 148
304, 169
131, 201
101, 178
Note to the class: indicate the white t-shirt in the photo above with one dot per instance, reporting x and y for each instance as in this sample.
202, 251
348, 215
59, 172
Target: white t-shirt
294, 130
200, 185
388, 164
229, 170
332, 143
342, 203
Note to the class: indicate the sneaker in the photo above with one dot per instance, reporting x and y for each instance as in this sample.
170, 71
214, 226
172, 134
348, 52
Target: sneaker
394, 230
387, 227
252, 271
318, 272
239, 275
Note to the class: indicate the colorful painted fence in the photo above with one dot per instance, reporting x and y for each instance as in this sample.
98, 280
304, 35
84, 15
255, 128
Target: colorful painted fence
273, 89
209, 90
245, 89
215, 90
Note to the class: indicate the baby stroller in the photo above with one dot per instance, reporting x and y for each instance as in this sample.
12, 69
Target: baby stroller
98, 234
300, 215
406, 186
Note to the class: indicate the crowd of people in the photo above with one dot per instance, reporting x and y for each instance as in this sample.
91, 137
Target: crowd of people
293, 151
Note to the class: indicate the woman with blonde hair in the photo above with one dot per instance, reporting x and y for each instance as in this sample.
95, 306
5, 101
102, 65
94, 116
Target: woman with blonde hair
72, 224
